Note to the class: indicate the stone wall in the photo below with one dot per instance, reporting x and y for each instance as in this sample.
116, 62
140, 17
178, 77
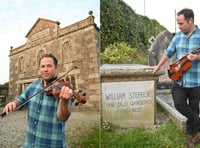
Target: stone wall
75, 45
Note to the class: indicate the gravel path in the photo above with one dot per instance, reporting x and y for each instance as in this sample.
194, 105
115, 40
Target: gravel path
13, 127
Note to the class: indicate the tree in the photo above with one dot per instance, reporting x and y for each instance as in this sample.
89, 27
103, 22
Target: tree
119, 23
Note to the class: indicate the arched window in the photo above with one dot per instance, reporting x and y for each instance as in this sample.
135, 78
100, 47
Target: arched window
21, 64
72, 80
66, 52
40, 53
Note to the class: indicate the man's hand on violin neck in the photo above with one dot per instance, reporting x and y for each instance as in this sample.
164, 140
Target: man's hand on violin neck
66, 93
192, 57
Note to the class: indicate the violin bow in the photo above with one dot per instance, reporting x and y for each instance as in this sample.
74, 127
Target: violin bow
46, 87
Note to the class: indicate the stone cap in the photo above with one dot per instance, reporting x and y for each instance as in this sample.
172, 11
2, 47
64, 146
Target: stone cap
112, 70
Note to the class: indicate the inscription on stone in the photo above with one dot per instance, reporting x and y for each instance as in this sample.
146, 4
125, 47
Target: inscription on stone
130, 102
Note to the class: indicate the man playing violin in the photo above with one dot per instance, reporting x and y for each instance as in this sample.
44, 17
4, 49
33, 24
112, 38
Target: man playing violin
186, 90
46, 114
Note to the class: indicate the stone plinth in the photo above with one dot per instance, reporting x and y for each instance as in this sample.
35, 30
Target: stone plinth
128, 95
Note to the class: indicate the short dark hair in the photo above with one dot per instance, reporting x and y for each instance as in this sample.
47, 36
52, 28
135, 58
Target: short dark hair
188, 13
49, 55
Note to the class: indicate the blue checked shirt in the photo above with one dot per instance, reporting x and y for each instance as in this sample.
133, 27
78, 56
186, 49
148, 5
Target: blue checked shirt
44, 129
183, 45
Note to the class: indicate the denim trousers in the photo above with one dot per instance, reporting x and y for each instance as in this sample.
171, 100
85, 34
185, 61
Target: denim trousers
186, 101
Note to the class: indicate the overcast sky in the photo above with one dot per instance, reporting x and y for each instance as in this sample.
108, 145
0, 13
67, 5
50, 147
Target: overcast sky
18, 16
164, 10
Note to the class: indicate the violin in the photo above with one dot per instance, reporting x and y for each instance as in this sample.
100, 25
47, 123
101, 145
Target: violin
177, 69
55, 89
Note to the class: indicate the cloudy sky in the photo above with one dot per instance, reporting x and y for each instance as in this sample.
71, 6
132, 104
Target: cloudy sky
18, 16
164, 10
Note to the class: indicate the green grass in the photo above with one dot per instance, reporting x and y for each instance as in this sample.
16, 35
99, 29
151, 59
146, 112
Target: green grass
167, 135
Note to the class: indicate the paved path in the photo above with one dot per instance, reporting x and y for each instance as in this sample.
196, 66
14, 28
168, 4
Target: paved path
13, 127
166, 96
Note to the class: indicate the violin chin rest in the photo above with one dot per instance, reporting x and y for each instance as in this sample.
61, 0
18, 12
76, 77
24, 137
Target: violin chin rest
84, 94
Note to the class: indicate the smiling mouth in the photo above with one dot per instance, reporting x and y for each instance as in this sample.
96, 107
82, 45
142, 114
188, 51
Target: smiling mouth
46, 75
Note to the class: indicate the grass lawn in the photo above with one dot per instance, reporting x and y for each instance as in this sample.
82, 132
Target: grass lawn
167, 135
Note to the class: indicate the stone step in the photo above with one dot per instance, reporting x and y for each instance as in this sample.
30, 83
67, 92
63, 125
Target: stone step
177, 117
164, 98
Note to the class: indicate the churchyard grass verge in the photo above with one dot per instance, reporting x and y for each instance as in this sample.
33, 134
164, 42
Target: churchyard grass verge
166, 135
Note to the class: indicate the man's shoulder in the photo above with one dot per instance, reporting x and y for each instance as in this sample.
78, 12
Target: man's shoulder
36, 82
198, 30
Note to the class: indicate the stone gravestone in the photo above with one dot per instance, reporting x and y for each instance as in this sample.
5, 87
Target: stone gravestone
128, 95
155, 52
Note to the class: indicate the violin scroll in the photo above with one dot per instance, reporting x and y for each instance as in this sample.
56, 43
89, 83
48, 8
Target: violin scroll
81, 97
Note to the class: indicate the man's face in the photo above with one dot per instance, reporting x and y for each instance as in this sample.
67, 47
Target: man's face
47, 68
184, 25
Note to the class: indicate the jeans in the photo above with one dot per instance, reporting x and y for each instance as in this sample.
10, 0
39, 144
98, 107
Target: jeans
186, 101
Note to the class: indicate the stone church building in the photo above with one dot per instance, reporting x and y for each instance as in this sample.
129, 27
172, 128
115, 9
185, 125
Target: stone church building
75, 45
